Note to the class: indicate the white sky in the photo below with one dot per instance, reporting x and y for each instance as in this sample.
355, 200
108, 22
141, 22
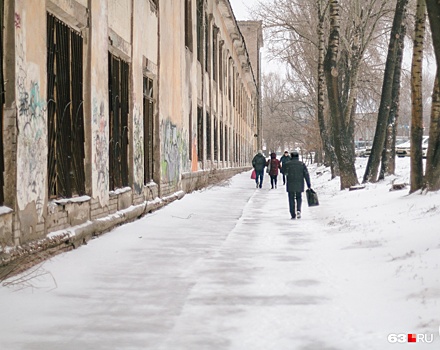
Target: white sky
226, 268
240, 8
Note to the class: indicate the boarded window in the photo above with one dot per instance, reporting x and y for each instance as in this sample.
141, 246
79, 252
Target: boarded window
118, 107
148, 129
65, 116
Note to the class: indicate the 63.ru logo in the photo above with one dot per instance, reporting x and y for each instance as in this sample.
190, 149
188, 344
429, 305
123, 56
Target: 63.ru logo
410, 338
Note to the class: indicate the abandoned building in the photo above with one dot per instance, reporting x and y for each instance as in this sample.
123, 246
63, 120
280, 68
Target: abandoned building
113, 108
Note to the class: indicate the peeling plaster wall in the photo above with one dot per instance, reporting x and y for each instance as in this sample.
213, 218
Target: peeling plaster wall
144, 26
30, 88
119, 18
99, 98
171, 92
175, 154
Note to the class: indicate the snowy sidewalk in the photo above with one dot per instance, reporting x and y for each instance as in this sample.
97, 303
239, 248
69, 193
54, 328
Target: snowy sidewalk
223, 268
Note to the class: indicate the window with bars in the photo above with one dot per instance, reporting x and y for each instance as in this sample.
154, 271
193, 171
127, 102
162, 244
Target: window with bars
2, 102
200, 133
118, 108
65, 115
148, 129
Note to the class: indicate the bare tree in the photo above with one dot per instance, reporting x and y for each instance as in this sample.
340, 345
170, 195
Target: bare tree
432, 175
342, 126
372, 168
293, 39
417, 98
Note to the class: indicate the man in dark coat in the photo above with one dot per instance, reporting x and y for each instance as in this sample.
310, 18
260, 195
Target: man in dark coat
259, 163
284, 159
296, 172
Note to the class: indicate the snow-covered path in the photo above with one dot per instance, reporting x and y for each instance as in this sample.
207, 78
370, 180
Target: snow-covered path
224, 268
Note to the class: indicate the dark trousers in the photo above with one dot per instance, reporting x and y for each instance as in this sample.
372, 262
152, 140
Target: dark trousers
273, 180
284, 179
294, 197
259, 177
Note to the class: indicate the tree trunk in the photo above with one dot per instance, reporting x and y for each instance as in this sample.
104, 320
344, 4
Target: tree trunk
416, 174
434, 20
432, 175
385, 103
342, 131
389, 152
325, 135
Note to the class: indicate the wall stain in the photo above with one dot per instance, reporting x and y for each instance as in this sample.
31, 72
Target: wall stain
100, 157
31, 130
175, 157
138, 152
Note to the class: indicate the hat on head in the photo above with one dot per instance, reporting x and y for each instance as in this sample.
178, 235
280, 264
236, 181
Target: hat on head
260, 152
294, 154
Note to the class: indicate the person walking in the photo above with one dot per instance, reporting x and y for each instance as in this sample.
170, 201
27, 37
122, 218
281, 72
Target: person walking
273, 165
284, 159
296, 172
259, 163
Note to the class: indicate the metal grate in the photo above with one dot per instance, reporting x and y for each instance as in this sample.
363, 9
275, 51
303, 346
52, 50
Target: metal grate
65, 110
118, 107
148, 129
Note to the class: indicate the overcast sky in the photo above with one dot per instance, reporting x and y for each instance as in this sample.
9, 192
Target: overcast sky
240, 9
241, 12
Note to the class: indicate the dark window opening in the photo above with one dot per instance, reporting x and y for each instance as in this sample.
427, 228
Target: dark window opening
190, 134
208, 136
221, 142
200, 133
220, 68
2, 102
227, 133
188, 25
215, 139
118, 109
199, 30
206, 44
148, 129
214, 53
65, 115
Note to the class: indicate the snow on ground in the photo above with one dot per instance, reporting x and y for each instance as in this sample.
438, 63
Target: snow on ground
226, 268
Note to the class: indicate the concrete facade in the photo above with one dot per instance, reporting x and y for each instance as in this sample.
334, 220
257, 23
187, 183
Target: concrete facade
203, 103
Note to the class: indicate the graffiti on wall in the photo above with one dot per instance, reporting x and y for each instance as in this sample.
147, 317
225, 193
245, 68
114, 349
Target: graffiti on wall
175, 157
100, 146
138, 152
32, 129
